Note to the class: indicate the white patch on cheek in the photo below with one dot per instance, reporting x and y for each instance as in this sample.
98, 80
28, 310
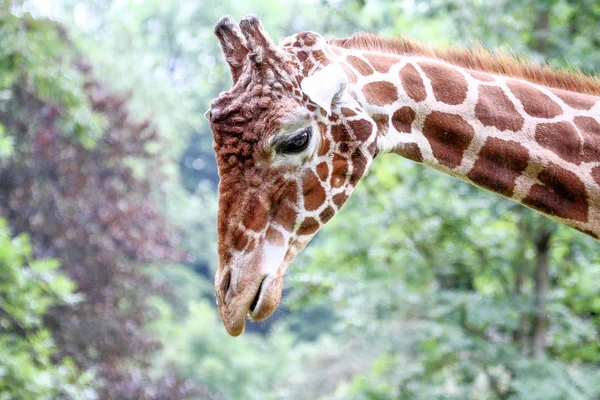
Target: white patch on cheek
272, 258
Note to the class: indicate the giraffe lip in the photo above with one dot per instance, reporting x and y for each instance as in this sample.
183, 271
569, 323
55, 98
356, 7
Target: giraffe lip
267, 298
257, 305
256, 297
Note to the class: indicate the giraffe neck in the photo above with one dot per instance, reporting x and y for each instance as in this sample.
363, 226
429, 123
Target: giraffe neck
536, 145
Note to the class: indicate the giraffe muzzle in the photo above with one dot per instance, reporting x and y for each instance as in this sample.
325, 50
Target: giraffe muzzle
246, 295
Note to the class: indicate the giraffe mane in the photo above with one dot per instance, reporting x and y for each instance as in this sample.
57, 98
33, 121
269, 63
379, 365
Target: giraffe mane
480, 59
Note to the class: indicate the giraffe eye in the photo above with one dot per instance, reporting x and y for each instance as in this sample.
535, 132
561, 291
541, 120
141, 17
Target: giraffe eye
296, 144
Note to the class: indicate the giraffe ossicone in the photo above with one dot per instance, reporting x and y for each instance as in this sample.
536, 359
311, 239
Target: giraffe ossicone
304, 119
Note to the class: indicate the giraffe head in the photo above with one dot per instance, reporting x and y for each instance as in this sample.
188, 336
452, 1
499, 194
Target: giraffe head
290, 144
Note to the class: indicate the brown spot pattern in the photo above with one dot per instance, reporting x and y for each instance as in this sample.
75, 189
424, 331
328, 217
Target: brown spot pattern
352, 78
339, 171
256, 216
339, 199
381, 63
561, 194
291, 192
322, 128
480, 76
380, 93
535, 102
410, 151
362, 67
275, 237
285, 216
412, 83
361, 129
307, 66
403, 118
308, 226
578, 101
327, 214
499, 164
322, 170
381, 120
359, 167
319, 56
449, 86
449, 136
590, 130
562, 138
348, 112
240, 239
339, 134
373, 151
314, 194
302, 55
494, 108
309, 38
324, 147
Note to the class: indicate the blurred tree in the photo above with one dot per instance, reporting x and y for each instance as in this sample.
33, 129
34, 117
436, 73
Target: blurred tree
464, 298
558, 31
28, 288
73, 183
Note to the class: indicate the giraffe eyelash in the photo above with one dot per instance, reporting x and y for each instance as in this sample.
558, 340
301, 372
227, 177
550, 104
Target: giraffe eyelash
296, 143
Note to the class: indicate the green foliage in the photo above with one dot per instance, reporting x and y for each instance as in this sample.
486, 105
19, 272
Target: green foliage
82, 193
228, 368
6, 145
547, 30
36, 53
446, 286
28, 288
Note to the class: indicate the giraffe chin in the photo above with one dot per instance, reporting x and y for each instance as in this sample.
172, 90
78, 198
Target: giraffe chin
258, 306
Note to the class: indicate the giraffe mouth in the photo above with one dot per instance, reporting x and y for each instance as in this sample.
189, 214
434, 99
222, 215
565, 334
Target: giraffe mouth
257, 304
266, 299
256, 297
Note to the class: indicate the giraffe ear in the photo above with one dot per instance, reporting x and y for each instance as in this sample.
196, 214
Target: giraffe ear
325, 86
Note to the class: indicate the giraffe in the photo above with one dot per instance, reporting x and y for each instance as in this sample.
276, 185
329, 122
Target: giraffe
304, 119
